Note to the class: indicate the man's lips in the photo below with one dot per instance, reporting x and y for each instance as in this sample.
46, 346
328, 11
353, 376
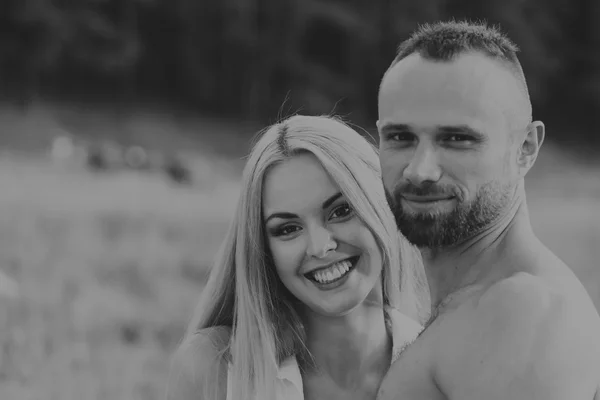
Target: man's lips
426, 199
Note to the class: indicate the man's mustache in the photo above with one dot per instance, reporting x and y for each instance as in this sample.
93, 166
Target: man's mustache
427, 189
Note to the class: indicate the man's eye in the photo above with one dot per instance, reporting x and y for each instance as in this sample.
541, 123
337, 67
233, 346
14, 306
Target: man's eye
459, 138
401, 137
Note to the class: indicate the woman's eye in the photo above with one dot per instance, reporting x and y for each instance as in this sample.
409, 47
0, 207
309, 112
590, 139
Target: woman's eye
286, 230
342, 211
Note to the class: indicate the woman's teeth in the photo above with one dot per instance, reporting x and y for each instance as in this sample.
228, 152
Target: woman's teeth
332, 273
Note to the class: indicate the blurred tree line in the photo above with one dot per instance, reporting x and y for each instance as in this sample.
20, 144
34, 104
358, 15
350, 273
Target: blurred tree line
244, 58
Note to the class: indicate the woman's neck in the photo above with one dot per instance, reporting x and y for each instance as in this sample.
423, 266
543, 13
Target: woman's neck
351, 347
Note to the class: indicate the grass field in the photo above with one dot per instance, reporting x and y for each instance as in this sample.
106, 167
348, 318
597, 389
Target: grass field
109, 267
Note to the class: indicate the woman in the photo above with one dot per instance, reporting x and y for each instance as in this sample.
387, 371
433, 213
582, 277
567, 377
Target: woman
304, 300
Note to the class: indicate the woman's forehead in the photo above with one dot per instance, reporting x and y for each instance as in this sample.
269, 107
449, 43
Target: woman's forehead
296, 184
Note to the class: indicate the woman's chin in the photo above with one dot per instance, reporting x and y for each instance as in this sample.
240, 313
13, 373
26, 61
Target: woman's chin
347, 295
339, 308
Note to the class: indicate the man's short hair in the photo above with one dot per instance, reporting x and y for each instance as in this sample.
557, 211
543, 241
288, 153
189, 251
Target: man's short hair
446, 40
443, 41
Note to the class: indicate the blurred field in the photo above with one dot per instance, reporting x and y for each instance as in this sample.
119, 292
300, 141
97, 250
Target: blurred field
109, 267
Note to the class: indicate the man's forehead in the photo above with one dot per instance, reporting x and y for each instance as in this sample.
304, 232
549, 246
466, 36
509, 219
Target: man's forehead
472, 86
473, 65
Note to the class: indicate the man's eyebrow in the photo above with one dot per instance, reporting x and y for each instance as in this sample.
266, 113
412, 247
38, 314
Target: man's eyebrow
459, 129
394, 127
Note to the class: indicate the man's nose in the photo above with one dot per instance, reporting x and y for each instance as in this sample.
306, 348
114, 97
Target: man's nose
321, 242
423, 166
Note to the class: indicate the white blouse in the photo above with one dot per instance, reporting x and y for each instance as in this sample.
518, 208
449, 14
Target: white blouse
289, 380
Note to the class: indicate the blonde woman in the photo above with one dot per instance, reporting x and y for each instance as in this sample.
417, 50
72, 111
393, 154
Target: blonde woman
314, 292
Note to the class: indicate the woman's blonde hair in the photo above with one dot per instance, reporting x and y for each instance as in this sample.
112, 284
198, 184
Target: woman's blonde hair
244, 291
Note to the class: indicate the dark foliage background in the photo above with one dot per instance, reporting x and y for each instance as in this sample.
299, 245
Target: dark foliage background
244, 58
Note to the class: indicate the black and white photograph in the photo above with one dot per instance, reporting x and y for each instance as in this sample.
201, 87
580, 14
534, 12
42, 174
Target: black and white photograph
299, 200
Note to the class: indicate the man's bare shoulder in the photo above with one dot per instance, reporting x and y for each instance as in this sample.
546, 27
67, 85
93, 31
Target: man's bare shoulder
200, 359
535, 298
518, 291
524, 338
532, 309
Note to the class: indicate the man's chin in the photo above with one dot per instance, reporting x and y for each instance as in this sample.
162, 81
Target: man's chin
421, 239
424, 230
427, 220
418, 234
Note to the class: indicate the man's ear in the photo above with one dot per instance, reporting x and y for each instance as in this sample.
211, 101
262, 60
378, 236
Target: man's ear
530, 146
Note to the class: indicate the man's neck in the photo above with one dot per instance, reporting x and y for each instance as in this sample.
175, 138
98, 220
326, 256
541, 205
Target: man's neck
475, 260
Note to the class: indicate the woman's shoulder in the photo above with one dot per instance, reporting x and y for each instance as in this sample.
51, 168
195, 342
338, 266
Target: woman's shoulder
199, 364
405, 329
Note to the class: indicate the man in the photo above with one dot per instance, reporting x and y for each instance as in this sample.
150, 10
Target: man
509, 320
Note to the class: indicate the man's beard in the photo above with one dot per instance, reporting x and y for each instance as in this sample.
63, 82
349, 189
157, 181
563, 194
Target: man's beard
438, 230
